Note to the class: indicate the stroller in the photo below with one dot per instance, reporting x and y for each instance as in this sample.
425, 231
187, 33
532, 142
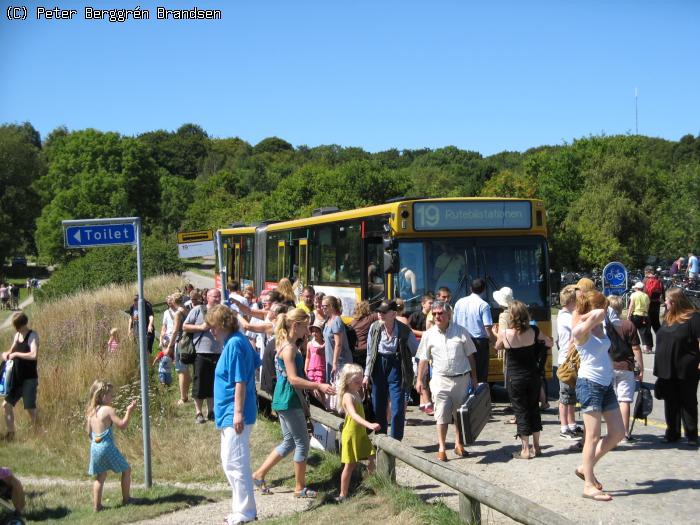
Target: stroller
8, 514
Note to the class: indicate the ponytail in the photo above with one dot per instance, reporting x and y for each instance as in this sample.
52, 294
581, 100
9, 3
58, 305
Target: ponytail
284, 324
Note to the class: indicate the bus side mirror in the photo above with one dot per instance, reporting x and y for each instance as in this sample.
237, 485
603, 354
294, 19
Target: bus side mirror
391, 262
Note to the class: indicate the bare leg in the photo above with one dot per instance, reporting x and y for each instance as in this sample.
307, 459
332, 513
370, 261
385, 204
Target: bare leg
210, 406
299, 475
9, 417
442, 436
126, 486
625, 411
32, 416
198, 405
525, 443
183, 379
572, 414
458, 432
536, 443
345, 479
270, 461
97, 487
616, 431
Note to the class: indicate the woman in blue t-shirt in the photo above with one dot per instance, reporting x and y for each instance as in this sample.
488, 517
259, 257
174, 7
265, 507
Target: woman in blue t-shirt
290, 328
235, 408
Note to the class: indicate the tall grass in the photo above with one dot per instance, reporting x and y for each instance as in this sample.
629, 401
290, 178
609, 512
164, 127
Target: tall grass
73, 334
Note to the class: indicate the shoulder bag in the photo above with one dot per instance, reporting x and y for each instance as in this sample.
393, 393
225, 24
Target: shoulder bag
568, 370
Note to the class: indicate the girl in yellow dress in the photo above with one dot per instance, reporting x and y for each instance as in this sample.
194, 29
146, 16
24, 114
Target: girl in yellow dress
356, 445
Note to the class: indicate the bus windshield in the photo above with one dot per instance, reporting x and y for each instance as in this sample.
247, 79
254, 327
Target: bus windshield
516, 262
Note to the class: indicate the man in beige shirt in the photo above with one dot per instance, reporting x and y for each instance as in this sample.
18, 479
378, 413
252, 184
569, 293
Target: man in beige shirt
451, 350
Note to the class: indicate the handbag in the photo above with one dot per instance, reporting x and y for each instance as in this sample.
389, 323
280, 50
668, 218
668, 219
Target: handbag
186, 346
331, 400
6, 376
568, 370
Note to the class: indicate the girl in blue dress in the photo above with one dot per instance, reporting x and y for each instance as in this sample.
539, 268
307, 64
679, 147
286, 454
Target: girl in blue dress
104, 455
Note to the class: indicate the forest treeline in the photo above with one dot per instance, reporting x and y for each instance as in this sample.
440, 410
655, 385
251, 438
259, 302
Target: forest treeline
608, 197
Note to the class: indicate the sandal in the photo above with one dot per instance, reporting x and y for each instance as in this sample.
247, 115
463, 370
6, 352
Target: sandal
597, 484
510, 421
306, 492
262, 486
598, 496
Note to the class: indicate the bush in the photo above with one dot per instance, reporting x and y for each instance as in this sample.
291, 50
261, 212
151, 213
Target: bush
114, 265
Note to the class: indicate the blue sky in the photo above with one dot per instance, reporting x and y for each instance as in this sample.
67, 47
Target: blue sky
483, 76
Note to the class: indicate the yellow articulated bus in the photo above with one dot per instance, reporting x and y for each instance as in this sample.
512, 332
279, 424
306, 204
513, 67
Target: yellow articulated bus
365, 254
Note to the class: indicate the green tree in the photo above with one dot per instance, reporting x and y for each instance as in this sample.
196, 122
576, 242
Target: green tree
21, 164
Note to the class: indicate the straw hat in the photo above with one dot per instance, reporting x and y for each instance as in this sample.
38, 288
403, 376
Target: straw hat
504, 297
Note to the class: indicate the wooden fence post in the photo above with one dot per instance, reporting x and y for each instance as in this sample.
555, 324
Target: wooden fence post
469, 510
386, 465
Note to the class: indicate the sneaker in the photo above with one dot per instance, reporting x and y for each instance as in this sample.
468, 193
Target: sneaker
569, 435
429, 410
629, 439
578, 431
199, 418
210, 416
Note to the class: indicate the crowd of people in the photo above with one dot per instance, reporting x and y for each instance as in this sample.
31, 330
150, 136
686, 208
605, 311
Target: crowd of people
296, 346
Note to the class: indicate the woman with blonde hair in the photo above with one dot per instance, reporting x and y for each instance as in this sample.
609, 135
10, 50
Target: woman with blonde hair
676, 366
286, 401
595, 390
287, 290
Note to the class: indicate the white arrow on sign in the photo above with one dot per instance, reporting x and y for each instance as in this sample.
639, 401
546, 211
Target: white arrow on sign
76, 235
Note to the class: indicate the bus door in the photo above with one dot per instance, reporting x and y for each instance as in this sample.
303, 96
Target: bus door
235, 274
373, 282
300, 262
281, 259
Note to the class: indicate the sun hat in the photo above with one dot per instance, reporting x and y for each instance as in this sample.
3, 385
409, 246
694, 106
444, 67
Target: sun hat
318, 323
503, 297
387, 306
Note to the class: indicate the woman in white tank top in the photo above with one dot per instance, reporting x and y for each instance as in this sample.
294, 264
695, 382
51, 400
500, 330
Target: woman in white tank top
594, 389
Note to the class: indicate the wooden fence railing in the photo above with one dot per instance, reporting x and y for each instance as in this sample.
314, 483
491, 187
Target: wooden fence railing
473, 491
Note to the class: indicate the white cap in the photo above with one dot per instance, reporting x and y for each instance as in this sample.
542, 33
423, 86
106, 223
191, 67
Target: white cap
639, 285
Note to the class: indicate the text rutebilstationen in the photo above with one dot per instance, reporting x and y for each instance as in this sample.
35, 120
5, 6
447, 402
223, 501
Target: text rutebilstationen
122, 15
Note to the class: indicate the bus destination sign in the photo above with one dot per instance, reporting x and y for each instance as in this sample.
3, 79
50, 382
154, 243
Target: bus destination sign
472, 215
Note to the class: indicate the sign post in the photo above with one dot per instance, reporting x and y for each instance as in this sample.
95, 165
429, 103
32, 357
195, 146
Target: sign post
91, 233
614, 279
195, 244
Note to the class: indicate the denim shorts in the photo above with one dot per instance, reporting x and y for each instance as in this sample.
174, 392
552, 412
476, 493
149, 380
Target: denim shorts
165, 378
595, 397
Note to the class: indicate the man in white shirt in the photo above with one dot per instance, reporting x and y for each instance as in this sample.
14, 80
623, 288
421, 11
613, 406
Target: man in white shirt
451, 350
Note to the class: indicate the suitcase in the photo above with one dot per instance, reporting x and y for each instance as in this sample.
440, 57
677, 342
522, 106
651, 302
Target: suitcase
475, 413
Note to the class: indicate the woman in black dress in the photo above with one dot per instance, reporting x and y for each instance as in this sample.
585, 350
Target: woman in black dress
522, 343
677, 365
